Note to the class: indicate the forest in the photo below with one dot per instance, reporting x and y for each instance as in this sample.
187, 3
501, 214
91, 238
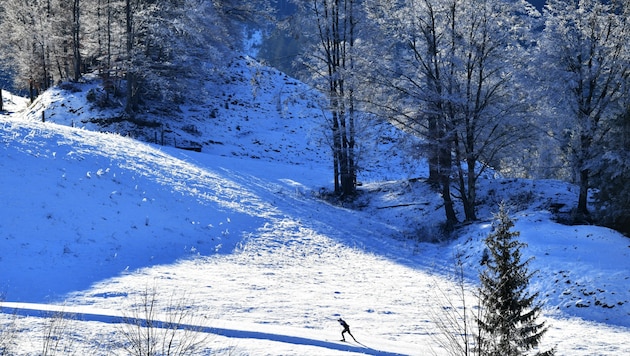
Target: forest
490, 86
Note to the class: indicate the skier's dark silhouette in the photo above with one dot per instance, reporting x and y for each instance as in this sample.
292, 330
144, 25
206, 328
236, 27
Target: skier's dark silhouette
346, 329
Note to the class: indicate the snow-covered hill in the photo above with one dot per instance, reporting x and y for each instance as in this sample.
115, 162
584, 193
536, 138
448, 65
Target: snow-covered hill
92, 221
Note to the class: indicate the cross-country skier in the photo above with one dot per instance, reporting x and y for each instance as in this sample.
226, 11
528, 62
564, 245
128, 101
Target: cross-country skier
346, 329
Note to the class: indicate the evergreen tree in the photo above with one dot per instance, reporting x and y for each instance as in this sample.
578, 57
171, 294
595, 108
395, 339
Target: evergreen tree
508, 324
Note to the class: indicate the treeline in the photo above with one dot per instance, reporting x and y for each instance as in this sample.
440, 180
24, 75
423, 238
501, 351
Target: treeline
142, 49
490, 85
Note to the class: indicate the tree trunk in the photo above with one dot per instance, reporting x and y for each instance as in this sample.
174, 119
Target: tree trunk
582, 208
445, 149
586, 141
31, 91
445, 177
469, 208
336, 153
76, 35
471, 159
131, 80
433, 151
335, 31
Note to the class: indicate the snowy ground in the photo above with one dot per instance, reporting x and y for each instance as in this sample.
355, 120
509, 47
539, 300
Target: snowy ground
91, 222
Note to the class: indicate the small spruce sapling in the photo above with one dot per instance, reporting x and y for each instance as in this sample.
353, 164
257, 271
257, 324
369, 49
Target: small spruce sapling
509, 324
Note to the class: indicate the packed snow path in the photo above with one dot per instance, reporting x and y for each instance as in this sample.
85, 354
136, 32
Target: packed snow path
228, 330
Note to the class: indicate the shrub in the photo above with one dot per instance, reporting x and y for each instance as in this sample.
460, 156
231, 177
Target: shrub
173, 331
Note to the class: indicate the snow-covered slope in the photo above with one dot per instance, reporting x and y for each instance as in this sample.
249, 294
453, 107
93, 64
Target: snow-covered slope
246, 110
92, 221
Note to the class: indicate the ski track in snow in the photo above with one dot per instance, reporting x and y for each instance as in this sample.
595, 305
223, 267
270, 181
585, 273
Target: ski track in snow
230, 330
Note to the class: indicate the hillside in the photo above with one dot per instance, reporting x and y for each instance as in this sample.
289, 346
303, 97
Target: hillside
237, 234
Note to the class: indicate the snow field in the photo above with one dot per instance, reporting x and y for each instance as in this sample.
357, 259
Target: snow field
90, 221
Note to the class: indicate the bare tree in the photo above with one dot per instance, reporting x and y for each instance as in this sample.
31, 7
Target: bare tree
25, 30
153, 44
331, 29
8, 333
409, 86
455, 318
55, 338
586, 54
453, 79
76, 39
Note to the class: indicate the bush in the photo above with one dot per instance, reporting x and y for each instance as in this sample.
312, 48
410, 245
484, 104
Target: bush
149, 331
7, 334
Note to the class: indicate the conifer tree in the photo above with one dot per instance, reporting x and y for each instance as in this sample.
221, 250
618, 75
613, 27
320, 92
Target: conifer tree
508, 325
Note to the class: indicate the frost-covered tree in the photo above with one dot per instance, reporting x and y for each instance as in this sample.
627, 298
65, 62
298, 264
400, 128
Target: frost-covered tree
25, 29
509, 323
612, 197
330, 26
585, 46
409, 81
490, 101
170, 44
45, 42
452, 76
41, 41
160, 38
159, 46
104, 49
